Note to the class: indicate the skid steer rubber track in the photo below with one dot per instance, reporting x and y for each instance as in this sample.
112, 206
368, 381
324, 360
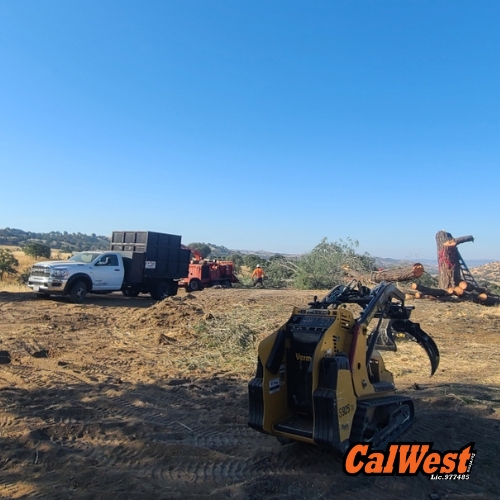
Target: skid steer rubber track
380, 421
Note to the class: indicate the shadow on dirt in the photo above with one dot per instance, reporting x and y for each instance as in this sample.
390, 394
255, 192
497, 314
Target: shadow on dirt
103, 300
190, 440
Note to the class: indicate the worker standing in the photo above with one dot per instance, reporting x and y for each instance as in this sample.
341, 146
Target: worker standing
257, 276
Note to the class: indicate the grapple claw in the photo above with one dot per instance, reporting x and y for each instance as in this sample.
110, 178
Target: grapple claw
414, 330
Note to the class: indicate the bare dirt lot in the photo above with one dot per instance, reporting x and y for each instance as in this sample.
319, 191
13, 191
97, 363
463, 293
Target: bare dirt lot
128, 398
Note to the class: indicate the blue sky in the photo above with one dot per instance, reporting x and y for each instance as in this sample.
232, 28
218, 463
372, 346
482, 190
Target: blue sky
257, 125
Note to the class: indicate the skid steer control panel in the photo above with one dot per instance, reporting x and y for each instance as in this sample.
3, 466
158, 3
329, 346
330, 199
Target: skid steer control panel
313, 323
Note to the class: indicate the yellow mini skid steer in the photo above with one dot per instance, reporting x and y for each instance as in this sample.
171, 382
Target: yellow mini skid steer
321, 379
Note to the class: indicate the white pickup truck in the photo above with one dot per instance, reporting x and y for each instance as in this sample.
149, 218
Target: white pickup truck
138, 262
82, 273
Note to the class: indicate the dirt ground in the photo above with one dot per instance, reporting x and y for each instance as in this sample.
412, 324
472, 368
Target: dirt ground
128, 398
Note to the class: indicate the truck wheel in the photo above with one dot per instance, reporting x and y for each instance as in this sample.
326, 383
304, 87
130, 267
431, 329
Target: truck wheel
129, 292
228, 284
195, 285
78, 292
161, 291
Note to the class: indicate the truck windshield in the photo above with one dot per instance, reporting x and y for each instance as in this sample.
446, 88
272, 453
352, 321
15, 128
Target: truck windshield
85, 257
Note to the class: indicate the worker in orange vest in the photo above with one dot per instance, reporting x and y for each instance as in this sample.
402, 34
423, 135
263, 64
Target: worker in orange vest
257, 276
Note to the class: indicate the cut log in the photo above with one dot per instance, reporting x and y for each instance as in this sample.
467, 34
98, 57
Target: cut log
464, 285
458, 291
490, 300
479, 298
434, 292
403, 273
470, 288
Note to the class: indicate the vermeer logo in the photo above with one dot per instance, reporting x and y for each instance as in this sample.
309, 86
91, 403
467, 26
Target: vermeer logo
409, 459
302, 357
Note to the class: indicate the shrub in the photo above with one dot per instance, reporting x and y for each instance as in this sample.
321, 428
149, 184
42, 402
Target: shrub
323, 267
37, 250
8, 262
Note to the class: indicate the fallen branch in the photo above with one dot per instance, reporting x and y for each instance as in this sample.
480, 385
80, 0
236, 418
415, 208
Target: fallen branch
404, 273
453, 242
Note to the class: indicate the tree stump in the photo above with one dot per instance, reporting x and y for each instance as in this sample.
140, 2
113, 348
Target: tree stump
449, 259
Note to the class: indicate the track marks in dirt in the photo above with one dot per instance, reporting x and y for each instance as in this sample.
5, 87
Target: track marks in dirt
168, 430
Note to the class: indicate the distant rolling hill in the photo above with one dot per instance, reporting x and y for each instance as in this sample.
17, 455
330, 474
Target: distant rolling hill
487, 272
431, 266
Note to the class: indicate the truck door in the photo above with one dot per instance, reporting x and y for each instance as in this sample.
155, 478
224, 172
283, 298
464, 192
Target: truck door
108, 272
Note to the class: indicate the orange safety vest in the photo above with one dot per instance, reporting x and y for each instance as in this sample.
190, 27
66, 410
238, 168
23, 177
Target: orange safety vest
258, 273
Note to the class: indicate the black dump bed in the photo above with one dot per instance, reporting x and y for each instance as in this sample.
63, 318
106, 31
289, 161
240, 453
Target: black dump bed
151, 255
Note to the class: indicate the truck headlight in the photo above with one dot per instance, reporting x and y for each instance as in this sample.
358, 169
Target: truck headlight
60, 273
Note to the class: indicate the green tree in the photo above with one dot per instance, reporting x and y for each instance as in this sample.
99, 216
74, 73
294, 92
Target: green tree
280, 271
251, 260
322, 268
37, 250
202, 248
8, 262
237, 259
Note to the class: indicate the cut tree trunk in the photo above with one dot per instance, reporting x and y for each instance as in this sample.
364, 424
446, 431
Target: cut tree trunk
465, 286
404, 273
471, 288
434, 292
488, 300
449, 259
420, 295
481, 298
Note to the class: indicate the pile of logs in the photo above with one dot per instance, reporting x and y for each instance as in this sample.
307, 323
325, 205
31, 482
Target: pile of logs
455, 281
463, 291
454, 277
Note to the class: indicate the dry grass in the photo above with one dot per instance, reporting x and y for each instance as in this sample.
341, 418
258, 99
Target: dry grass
13, 286
11, 282
219, 330
228, 341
